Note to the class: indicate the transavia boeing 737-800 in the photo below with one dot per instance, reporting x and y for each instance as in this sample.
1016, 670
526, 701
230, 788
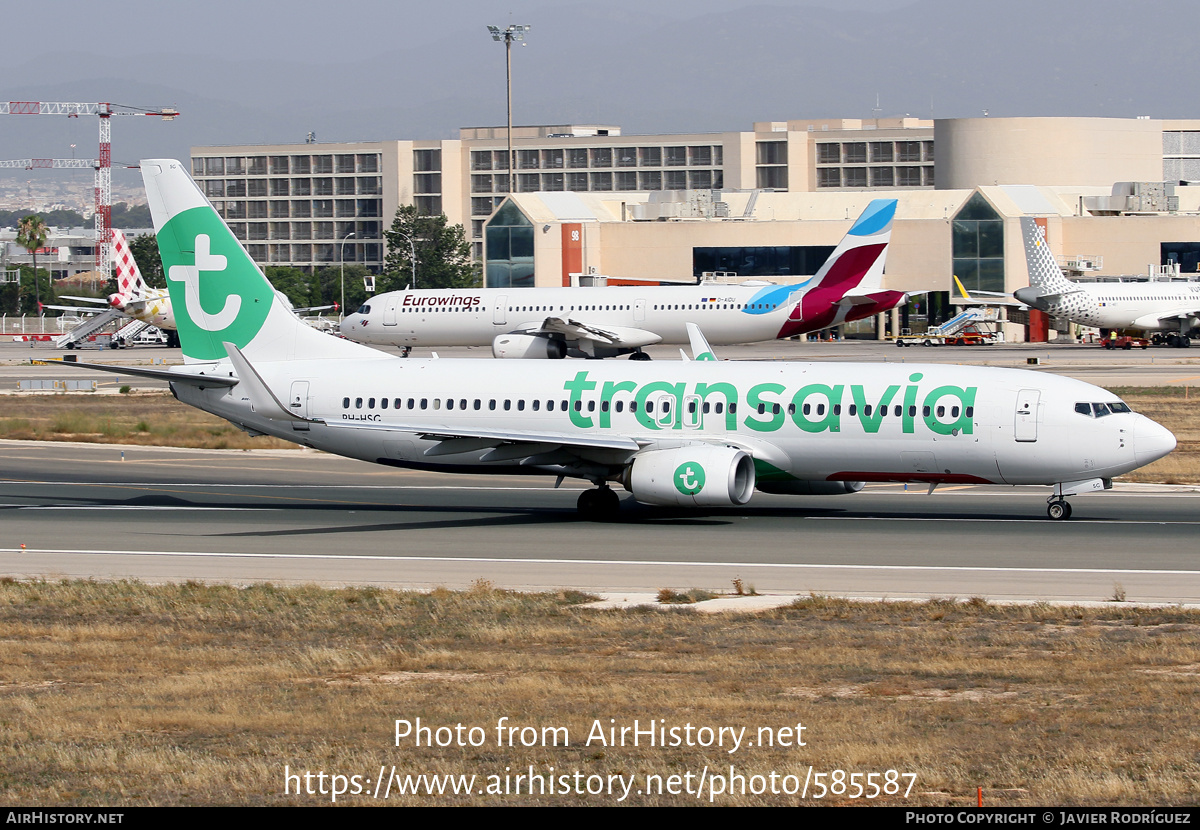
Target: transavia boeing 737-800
1170, 307
606, 322
697, 433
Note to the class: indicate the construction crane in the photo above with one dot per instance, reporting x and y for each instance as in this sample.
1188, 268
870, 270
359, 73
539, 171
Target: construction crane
103, 165
45, 164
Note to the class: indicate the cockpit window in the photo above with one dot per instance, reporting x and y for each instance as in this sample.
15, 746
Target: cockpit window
1099, 410
366, 309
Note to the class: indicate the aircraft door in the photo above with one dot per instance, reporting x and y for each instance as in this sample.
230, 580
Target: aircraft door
1027, 415
389, 313
639, 311
298, 404
500, 311
692, 415
664, 409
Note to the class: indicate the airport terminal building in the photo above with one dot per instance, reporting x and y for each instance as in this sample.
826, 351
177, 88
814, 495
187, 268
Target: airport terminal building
767, 203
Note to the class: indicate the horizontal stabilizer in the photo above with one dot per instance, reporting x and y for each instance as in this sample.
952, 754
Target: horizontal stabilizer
190, 378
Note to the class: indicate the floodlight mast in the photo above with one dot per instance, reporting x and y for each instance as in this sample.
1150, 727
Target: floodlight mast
507, 36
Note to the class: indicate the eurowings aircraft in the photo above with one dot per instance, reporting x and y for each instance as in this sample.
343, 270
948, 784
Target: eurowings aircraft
606, 322
1170, 307
698, 433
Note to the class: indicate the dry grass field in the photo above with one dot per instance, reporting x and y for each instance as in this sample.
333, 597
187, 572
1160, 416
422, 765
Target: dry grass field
129, 694
143, 418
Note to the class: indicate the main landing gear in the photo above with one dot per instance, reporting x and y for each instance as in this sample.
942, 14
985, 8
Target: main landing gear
599, 505
1058, 508
639, 355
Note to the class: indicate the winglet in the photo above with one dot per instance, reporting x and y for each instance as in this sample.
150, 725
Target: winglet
700, 348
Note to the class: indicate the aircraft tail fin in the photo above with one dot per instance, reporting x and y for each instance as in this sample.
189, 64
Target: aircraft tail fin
1044, 273
218, 294
130, 285
856, 264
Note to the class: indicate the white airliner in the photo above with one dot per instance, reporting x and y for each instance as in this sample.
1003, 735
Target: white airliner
698, 433
1171, 307
606, 322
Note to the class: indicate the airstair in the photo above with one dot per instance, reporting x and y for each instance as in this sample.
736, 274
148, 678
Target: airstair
967, 317
87, 328
125, 334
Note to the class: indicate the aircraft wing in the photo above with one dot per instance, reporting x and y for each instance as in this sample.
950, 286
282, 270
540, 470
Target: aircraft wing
1166, 316
482, 438
75, 309
620, 336
93, 300
313, 309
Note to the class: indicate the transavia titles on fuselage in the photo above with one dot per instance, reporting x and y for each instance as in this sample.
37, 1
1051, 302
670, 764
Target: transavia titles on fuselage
605, 322
693, 433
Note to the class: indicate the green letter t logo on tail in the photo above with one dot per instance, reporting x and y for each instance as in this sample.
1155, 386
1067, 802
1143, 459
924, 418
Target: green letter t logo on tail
218, 294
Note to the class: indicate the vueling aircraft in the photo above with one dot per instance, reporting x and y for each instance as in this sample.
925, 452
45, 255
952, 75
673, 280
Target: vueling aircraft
607, 322
1170, 307
699, 433
133, 298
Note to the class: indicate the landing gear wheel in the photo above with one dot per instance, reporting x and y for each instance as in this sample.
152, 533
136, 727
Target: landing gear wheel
639, 356
1059, 509
599, 505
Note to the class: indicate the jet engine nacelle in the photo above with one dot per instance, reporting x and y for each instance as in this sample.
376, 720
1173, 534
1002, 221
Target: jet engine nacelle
693, 476
529, 346
810, 488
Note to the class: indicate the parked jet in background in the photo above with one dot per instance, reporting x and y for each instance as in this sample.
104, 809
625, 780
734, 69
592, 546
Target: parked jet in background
698, 433
134, 299
1170, 307
606, 322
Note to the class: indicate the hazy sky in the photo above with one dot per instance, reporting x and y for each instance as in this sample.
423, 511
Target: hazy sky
259, 72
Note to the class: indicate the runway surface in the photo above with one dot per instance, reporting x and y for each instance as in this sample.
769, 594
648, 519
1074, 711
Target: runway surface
302, 516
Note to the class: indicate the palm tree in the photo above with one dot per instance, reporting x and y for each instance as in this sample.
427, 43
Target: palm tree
31, 235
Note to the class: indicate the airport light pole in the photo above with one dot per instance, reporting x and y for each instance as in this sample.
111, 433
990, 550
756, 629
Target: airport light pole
342, 257
507, 36
412, 255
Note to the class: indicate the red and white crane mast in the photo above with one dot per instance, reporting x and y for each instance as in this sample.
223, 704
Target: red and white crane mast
103, 166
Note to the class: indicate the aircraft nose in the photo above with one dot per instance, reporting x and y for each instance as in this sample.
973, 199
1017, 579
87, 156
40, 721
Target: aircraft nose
348, 324
1151, 441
